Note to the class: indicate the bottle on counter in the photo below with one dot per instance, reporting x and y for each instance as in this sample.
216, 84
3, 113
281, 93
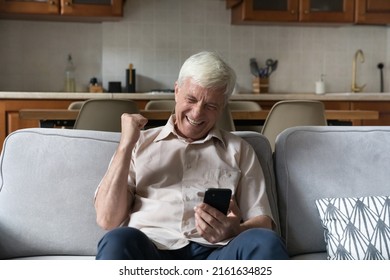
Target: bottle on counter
70, 82
320, 85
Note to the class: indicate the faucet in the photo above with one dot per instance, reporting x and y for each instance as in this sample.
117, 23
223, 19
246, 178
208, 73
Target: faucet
355, 87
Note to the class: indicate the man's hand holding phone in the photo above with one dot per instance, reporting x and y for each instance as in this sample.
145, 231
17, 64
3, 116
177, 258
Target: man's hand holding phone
213, 224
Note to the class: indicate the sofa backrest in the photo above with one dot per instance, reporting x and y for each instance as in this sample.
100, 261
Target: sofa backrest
263, 150
320, 162
47, 182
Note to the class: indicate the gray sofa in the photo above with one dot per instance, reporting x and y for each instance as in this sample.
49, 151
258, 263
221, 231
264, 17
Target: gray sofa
48, 178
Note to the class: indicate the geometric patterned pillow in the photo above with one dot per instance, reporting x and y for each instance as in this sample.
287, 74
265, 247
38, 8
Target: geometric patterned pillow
356, 228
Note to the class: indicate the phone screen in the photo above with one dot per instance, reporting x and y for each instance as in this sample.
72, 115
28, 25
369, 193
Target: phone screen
218, 198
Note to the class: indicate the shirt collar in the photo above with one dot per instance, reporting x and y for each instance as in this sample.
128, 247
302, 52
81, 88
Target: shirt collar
169, 130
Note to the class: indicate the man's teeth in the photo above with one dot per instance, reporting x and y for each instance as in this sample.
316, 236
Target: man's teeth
193, 122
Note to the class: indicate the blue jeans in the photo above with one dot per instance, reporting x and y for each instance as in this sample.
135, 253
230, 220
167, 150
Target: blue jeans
128, 243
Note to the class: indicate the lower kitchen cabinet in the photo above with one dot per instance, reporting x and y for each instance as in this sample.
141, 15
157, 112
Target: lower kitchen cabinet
383, 107
10, 120
9, 113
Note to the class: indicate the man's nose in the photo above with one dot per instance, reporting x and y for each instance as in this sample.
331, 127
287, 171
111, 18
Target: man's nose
198, 108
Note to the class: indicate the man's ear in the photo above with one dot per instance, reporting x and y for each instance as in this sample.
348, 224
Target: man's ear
176, 90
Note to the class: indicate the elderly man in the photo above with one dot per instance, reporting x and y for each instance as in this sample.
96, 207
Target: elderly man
151, 197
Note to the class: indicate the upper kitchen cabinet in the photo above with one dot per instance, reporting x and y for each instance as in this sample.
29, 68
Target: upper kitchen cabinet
338, 11
373, 11
314, 11
80, 10
253, 11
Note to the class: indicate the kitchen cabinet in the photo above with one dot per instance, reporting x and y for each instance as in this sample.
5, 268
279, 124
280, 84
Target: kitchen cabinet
338, 11
232, 3
382, 107
372, 12
251, 11
9, 113
62, 9
318, 11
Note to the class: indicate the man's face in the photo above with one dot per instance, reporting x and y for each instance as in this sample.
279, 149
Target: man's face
197, 109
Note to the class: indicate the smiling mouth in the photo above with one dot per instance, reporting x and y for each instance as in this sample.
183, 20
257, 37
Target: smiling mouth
193, 122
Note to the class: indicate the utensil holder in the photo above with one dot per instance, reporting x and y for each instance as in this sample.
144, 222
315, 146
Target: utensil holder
260, 85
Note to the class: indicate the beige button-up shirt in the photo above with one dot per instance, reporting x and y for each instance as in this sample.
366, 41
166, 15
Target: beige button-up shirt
168, 177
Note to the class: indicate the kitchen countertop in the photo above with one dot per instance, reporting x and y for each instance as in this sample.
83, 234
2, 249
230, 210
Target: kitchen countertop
163, 95
82, 95
312, 96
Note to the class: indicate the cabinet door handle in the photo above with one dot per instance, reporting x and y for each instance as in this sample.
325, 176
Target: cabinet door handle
68, 3
306, 12
292, 12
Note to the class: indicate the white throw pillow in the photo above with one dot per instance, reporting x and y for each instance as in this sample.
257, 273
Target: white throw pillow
356, 228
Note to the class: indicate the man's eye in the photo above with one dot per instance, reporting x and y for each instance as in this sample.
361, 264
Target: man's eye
191, 100
212, 107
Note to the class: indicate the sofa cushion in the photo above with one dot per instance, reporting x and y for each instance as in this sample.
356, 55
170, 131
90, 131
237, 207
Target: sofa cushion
327, 161
356, 228
48, 180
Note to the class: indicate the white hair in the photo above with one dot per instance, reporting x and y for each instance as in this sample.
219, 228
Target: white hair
208, 70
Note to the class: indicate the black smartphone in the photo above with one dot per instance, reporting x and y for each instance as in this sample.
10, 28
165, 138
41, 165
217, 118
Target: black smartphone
218, 198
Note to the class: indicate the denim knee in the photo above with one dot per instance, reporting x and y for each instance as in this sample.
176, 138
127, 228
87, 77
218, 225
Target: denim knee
267, 244
258, 244
124, 243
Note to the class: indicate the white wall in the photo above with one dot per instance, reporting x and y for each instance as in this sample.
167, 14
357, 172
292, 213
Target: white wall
33, 54
157, 36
